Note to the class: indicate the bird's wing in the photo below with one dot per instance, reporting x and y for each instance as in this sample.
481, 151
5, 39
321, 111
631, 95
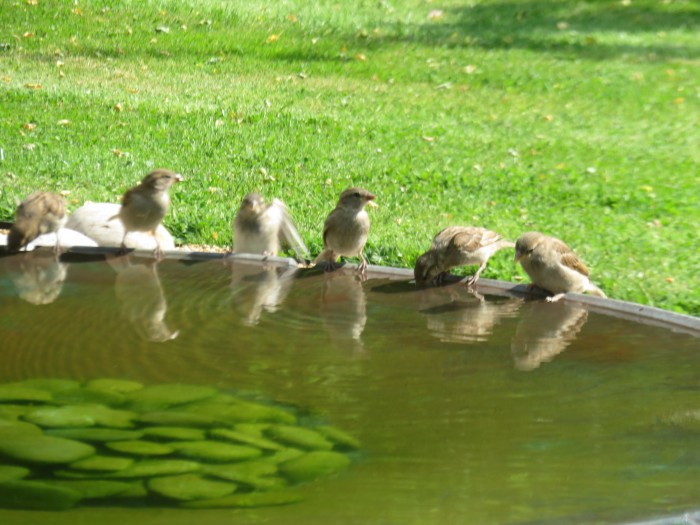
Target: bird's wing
288, 232
55, 205
568, 258
470, 239
136, 202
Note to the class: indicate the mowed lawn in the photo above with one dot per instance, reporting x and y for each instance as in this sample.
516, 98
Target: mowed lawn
575, 118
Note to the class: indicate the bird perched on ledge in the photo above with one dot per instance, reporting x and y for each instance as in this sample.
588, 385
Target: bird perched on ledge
553, 266
145, 205
346, 229
263, 228
458, 246
40, 213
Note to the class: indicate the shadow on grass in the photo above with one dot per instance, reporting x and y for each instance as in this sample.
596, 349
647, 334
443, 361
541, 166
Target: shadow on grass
561, 27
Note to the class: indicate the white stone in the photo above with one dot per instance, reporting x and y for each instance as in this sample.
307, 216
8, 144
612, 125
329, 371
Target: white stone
93, 220
69, 238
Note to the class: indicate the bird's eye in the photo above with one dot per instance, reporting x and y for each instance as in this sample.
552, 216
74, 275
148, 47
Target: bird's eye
356, 194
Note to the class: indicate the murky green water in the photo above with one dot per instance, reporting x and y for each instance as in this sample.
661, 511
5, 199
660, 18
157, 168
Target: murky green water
487, 412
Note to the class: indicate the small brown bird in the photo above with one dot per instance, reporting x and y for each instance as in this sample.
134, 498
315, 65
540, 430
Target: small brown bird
263, 228
553, 266
145, 205
458, 246
40, 213
346, 229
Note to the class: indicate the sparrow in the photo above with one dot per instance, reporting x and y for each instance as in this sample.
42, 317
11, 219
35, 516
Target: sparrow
458, 246
346, 229
40, 213
553, 266
145, 205
263, 228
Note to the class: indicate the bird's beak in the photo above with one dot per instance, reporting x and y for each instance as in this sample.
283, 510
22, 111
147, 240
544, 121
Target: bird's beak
179, 178
370, 200
518, 256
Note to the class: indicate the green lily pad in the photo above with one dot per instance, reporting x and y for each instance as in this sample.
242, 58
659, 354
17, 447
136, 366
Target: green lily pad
44, 449
14, 412
240, 411
175, 433
52, 385
165, 396
190, 487
80, 416
299, 437
33, 495
13, 429
313, 465
156, 467
137, 489
167, 418
140, 448
114, 385
254, 429
251, 499
90, 396
98, 463
215, 451
12, 473
247, 439
257, 475
95, 435
284, 455
90, 489
339, 437
16, 393
233, 471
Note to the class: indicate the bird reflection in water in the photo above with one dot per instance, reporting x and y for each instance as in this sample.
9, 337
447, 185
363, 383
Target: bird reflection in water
545, 330
141, 298
257, 288
38, 275
455, 315
344, 308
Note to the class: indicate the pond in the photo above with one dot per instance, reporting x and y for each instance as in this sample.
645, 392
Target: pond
492, 409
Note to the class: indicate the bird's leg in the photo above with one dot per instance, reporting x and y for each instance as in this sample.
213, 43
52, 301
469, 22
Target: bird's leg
158, 252
440, 278
362, 268
472, 280
122, 248
555, 298
57, 249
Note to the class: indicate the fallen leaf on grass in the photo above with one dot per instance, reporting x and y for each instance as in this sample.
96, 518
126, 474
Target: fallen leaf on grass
361, 57
29, 125
33, 86
63, 122
436, 14
272, 38
118, 107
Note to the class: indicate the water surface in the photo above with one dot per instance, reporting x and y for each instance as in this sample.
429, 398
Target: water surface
490, 410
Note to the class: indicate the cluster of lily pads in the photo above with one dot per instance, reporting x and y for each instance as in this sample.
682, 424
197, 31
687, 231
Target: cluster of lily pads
63, 442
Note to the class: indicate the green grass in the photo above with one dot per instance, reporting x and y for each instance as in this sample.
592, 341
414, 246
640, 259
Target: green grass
575, 118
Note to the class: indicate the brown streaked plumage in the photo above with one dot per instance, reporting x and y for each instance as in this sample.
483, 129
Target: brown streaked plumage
458, 246
346, 229
145, 205
42, 212
553, 266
